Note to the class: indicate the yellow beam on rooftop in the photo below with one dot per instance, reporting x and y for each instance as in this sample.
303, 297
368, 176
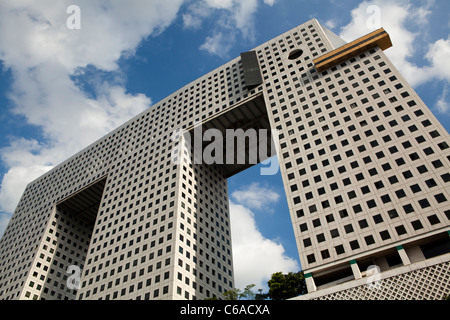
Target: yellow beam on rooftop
378, 38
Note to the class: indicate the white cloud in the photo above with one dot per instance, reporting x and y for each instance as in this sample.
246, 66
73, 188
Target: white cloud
255, 257
394, 16
439, 55
219, 4
442, 105
255, 196
107, 30
44, 56
330, 24
234, 18
197, 11
14, 183
218, 44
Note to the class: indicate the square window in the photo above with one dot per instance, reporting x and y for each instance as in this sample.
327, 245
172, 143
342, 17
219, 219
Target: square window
440, 198
417, 224
393, 179
363, 223
343, 213
428, 151
365, 190
348, 228
408, 208
443, 145
392, 213
400, 193
400, 230
414, 156
340, 249
334, 233
311, 258
431, 183
354, 244
422, 169
386, 198
379, 184
445, 177
320, 237
385, 235
357, 208
433, 219
316, 223
354, 164
420, 139
359, 176
424, 203
406, 144
369, 240
378, 218
393, 149
329, 218
415, 188
407, 174
325, 254
380, 154
447, 214
400, 161
303, 227
307, 242
434, 134
371, 204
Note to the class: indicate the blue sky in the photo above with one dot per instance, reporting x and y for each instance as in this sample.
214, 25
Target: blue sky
62, 89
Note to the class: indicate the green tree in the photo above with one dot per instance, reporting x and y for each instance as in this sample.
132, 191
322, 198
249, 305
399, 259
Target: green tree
285, 286
232, 294
248, 293
237, 294
261, 295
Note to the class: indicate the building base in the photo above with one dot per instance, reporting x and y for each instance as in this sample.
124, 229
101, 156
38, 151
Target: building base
424, 280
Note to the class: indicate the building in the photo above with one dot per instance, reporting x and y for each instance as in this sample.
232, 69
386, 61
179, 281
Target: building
363, 160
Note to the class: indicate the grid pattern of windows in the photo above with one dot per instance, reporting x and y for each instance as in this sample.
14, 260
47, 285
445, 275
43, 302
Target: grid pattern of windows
158, 233
363, 161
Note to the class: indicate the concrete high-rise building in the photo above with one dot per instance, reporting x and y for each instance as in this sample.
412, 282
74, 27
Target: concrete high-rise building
364, 162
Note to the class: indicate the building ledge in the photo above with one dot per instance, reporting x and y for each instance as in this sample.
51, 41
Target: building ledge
382, 275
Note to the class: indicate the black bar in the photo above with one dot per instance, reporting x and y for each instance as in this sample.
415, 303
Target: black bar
252, 72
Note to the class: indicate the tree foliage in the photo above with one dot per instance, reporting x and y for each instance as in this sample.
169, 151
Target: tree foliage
237, 294
281, 287
285, 286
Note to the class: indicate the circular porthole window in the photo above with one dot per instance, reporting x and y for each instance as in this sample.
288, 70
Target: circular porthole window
295, 54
